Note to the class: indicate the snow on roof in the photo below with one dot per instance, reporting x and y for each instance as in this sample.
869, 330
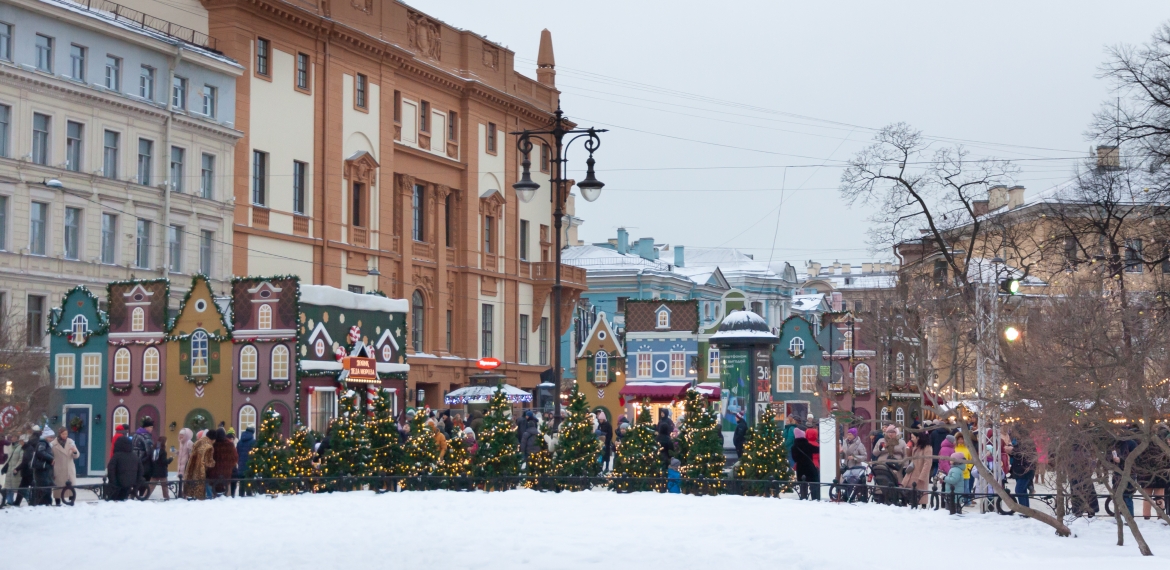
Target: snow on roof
334, 297
745, 320
807, 302
732, 262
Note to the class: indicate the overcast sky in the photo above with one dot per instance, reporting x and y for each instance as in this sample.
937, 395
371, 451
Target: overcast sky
802, 85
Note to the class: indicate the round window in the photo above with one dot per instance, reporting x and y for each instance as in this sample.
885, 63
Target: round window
601, 335
266, 293
386, 354
200, 305
319, 348
660, 366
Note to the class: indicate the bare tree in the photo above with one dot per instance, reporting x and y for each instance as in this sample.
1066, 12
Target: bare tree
24, 382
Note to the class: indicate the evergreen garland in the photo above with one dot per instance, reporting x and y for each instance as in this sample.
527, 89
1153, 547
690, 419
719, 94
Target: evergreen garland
703, 443
499, 450
639, 455
578, 449
765, 459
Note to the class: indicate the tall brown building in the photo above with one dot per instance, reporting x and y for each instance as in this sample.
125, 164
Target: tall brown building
376, 156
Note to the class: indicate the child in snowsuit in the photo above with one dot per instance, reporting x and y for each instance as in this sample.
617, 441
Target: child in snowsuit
673, 477
953, 481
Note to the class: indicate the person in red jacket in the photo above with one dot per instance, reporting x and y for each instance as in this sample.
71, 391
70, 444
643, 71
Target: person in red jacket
812, 435
119, 431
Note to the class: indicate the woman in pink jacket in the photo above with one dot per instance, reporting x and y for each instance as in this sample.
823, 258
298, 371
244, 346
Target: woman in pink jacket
184, 451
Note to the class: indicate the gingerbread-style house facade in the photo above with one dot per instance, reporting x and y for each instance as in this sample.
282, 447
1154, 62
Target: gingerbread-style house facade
78, 330
137, 358
199, 381
264, 333
601, 363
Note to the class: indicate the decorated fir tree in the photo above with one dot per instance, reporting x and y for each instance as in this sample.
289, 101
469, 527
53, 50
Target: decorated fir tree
639, 455
386, 453
267, 457
499, 450
539, 464
299, 458
349, 444
421, 452
703, 443
578, 449
764, 459
455, 465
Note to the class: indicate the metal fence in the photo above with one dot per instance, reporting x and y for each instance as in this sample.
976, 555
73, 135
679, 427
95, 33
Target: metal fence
120, 13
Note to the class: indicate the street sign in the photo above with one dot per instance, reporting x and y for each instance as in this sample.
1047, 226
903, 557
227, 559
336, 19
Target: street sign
487, 363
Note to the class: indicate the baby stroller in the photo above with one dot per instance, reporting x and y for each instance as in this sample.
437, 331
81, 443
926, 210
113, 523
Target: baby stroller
886, 489
853, 485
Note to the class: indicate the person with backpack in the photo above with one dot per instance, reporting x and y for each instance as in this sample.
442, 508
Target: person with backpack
143, 445
124, 471
42, 466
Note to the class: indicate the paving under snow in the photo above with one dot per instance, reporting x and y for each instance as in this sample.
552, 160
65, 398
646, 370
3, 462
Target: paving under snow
526, 529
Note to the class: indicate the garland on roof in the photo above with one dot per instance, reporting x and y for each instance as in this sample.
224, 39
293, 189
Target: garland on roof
103, 325
183, 306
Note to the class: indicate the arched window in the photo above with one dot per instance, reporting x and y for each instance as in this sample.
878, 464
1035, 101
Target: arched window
122, 366
280, 362
80, 325
601, 366
848, 344
663, 319
150, 365
796, 347
901, 370
417, 321
247, 417
885, 416
861, 377
900, 416
248, 363
199, 353
121, 418
138, 320
265, 317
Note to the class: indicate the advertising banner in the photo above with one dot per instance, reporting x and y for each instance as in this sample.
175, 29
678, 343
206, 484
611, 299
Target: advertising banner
736, 372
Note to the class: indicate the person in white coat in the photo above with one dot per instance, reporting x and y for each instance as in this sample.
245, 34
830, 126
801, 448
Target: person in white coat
64, 470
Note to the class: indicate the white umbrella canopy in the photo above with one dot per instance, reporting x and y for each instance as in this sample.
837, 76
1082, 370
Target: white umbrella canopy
481, 394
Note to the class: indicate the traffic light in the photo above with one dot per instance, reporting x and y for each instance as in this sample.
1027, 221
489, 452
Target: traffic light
1010, 286
1011, 333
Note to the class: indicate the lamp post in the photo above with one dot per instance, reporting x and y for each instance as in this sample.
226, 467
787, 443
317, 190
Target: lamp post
554, 135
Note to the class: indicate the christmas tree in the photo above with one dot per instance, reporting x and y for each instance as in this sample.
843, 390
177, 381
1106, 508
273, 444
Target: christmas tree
703, 443
349, 444
539, 464
386, 453
298, 460
499, 450
455, 466
266, 459
639, 455
421, 453
578, 449
764, 459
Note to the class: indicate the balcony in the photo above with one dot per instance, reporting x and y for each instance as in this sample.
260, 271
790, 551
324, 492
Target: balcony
361, 236
571, 276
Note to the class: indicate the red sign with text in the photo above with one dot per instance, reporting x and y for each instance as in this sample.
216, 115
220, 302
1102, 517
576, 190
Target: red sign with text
488, 363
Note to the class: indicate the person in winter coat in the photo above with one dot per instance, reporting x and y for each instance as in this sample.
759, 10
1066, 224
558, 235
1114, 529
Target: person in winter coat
477, 421
961, 447
224, 453
665, 443
806, 470
530, 442
202, 459
740, 436
814, 439
664, 420
953, 482
184, 450
119, 431
673, 476
440, 439
917, 475
853, 451
890, 450
472, 444
143, 444
244, 451
448, 424
938, 434
159, 464
606, 431
11, 472
1022, 468
945, 451
124, 471
42, 465
26, 464
789, 437
64, 470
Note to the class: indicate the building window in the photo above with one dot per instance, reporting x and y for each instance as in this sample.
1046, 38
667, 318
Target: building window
847, 341
145, 161
543, 332
205, 239
265, 314
448, 231
808, 378
644, 361
121, 416
601, 367
179, 93
64, 371
247, 417
110, 154
79, 326
424, 117
523, 240
901, 368
178, 170
207, 177
109, 235
3, 233
146, 83
486, 323
360, 92
5, 41
122, 365
35, 321
199, 353
44, 46
175, 248
72, 233
491, 137
355, 205
861, 377
280, 362
940, 273
40, 142
259, 176
663, 319
397, 106
5, 129
417, 321
523, 339
91, 370
416, 208
302, 71
545, 158
38, 224
77, 62
356, 289
784, 380
885, 416
142, 247
263, 47
621, 304
138, 319
150, 371
299, 169
248, 363
452, 126
113, 73
210, 96
796, 347
322, 408
678, 365
487, 234
450, 323
1133, 256
713, 368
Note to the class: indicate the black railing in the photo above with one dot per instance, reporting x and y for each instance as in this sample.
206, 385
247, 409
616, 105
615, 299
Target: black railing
120, 13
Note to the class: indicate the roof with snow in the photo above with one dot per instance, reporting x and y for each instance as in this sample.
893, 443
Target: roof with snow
807, 303
323, 295
744, 327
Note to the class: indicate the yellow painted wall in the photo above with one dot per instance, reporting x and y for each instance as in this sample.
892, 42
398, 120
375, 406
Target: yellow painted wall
181, 394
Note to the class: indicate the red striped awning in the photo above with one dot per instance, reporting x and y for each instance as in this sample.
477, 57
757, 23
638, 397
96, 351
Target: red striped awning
655, 391
711, 390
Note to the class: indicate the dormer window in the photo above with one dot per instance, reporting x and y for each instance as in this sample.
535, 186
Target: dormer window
80, 325
796, 347
265, 317
663, 318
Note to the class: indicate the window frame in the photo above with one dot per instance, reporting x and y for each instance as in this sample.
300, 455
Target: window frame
145, 161
147, 79
38, 228
109, 236
300, 173
601, 367
42, 140
5, 41
714, 365
113, 73
206, 251
785, 378
418, 213
147, 365
111, 153
123, 364
361, 92
210, 101
91, 372
808, 379
263, 60
487, 330
72, 232
678, 364
62, 362
259, 178
242, 423
418, 321
491, 142
175, 248
203, 369
177, 171
142, 238
249, 363
138, 320
207, 176
862, 367
264, 317
78, 54
5, 131
314, 396
523, 254
523, 340
301, 74
543, 341
179, 93
644, 365
279, 371
44, 53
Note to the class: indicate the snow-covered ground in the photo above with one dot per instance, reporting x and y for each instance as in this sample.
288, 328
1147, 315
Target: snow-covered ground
527, 529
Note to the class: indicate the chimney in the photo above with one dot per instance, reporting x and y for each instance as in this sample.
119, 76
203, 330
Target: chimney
546, 64
1108, 157
1015, 197
814, 268
645, 249
836, 300
997, 197
623, 241
836, 268
867, 268
979, 207
846, 269
679, 256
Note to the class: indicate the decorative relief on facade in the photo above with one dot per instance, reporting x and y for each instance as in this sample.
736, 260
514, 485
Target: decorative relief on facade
425, 35
366, 6
361, 168
491, 56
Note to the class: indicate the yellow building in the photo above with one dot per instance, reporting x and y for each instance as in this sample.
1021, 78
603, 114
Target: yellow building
199, 368
601, 365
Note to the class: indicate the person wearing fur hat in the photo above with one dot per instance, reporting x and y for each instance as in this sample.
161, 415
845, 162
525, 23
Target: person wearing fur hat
124, 471
469, 438
201, 460
945, 451
42, 465
184, 450
119, 431
64, 470
953, 482
223, 451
